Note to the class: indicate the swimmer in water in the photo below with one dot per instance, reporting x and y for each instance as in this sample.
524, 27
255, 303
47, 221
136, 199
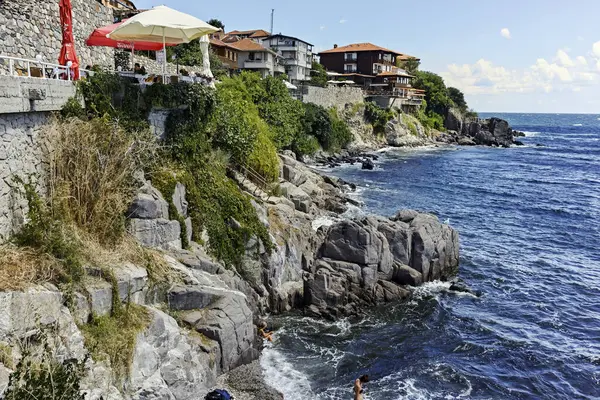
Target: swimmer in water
358, 387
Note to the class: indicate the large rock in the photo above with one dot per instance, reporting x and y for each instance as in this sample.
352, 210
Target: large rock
179, 201
147, 206
434, 248
170, 364
157, 233
405, 131
299, 197
454, 120
364, 261
229, 322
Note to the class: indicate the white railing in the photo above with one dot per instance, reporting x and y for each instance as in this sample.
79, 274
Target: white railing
36, 68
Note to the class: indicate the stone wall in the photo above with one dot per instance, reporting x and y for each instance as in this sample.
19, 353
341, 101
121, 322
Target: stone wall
29, 27
20, 94
20, 155
153, 67
332, 96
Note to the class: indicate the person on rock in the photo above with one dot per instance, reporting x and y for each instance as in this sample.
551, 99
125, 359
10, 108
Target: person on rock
358, 386
264, 332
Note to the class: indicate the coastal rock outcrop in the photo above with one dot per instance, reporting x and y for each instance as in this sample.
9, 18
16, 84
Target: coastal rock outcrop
405, 131
372, 259
486, 132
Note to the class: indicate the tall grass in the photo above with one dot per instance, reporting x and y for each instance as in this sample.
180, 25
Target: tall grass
92, 173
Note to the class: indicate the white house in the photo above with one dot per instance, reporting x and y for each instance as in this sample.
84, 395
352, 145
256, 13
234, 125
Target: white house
255, 57
296, 54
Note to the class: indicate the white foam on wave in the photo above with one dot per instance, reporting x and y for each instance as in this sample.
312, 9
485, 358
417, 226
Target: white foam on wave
323, 221
281, 374
430, 289
577, 124
531, 133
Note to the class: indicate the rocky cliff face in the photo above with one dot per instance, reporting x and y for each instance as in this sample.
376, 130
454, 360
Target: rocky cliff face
201, 321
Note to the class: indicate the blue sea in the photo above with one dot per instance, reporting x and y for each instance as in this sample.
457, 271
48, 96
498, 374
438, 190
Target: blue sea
529, 220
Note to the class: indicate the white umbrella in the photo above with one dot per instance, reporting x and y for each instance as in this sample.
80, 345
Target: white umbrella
289, 85
163, 25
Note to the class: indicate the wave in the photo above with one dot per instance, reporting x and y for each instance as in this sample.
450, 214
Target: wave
323, 221
531, 133
281, 374
577, 124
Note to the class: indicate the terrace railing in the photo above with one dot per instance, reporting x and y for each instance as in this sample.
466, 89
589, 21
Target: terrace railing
30, 68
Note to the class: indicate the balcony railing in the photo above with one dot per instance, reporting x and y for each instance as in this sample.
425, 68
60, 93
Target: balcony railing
29, 68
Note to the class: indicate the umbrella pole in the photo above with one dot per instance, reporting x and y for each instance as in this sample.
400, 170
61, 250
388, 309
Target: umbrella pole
164, 57
132, 55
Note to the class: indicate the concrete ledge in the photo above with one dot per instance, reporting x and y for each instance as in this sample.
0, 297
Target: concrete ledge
21, 94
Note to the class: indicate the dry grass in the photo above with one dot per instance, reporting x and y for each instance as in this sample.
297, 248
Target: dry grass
21, 267
92, 173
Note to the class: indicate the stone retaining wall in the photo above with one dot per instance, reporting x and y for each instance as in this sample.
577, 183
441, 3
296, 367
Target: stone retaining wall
20, 155
332, 96
31, 27
20, 94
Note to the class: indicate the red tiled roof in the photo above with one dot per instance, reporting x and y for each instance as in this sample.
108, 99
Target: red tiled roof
219, 43
356, 47
247, 45
255, 33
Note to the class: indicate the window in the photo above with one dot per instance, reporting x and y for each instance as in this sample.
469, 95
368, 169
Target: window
350, 56
350, 67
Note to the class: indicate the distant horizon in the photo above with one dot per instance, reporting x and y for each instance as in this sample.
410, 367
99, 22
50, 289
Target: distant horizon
534, 112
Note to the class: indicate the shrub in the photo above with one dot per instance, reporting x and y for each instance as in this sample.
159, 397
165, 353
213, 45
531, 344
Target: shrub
72, 109
92, 167
42, 377
234, 126
318, 75
215, 201
263, 158
377, 116
46, 234
305, 145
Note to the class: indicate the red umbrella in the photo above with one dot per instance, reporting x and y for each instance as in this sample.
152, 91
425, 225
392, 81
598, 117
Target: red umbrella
67, 51
98, 38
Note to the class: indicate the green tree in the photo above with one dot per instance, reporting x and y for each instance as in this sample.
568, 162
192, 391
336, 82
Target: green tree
216, 23
458, 98
318, 75
436, 94
410, 65
186, 53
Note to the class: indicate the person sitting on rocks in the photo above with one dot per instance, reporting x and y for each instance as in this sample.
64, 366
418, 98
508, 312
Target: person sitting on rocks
264, 332
358, 386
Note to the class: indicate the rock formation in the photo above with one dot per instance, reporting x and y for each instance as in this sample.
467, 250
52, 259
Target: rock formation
202, 319
469, 132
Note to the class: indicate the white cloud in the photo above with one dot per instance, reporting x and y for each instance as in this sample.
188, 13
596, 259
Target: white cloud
343, 21
564, 59
505, 33
596, 49
560, 74
322, 27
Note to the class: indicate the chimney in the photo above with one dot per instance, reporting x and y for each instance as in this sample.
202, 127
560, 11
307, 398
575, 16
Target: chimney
335, 46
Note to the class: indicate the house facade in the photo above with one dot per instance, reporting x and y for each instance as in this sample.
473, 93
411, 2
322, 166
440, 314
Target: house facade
258, 35
255, 57
225, 52
363, 61
296, 56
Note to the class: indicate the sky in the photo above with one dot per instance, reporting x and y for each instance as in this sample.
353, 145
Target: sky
505, 55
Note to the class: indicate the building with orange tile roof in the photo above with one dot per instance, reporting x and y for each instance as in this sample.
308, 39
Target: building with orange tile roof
255, 57
361, 58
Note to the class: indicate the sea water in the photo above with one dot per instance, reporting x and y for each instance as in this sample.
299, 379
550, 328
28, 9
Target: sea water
529, 228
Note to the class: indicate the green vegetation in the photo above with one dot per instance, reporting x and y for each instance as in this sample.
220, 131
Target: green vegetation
113, 337
378, 117
410, 65
326, 127
318, 75
42, 377
216, 23
458, 99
